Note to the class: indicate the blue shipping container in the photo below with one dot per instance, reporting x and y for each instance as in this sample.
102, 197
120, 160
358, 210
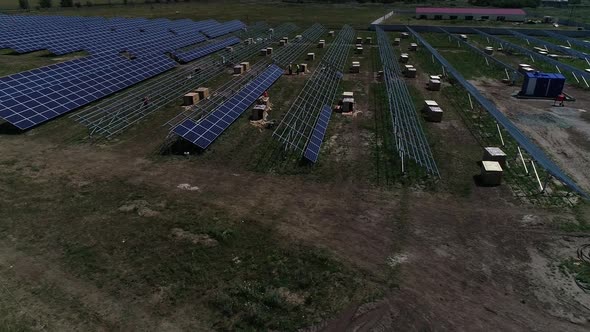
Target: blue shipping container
542, 85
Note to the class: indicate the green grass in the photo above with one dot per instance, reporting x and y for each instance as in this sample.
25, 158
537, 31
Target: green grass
273, 12
11, 62
516, 58
454, 101
580, 270
575, 13
240, 283
472, 65
409, 19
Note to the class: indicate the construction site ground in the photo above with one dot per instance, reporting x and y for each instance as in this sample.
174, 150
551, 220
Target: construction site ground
115, 235
562, 131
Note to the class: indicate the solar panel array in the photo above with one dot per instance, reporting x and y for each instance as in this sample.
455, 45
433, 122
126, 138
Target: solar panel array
115, 114
296, 129
312, 150
225, 91
122, 52
37, 105
574, 41
205, 50
523, 141
550, 45
296, 47
563, 67
515, 73
223, 29
407, 130
220, 95
204, 132
61, 35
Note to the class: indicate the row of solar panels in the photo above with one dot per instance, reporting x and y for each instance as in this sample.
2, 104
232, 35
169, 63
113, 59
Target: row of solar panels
97, 23
312, 151
33, 97
22, 40
208, 129
202, 51
37, 106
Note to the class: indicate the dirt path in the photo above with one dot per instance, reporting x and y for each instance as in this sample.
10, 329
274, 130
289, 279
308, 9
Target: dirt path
472, 268
464, 263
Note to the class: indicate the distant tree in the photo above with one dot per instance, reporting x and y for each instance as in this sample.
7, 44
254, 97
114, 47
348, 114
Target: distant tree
506, 3
23, 4
45, 3
89, 3
66, 3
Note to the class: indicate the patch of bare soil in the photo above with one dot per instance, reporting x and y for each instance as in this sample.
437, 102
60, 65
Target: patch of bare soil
43, 288
469, 267
464, 263
563, 132
353, 222
557, 290
200, 239
141, 207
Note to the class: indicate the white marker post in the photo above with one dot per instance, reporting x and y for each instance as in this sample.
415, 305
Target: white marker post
522, 159
537, 175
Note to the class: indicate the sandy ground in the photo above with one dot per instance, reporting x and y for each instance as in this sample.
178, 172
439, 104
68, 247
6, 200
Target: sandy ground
563, 132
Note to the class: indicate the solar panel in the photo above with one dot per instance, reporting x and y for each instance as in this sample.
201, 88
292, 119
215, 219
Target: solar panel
312, 150
26, 111
206, 49
32, 97
204, 132
223, 29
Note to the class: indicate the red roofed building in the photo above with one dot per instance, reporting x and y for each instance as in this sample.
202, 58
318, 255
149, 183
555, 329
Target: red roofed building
492, 14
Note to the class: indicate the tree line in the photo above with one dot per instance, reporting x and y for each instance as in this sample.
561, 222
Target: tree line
507, 3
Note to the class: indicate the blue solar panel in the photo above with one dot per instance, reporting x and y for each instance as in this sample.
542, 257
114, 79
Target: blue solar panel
206, 49
35, 96
222, 29
312, 150
30, 109
204, 132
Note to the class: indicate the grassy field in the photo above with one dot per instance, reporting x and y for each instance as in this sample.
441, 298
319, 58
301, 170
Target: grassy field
273, 12
409, 19
240, 282
575, 13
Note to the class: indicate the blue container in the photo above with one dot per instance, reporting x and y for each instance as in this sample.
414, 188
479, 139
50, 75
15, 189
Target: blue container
543, 85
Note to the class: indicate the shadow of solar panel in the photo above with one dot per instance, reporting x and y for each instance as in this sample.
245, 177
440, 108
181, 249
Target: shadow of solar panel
312, 150
204, 132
